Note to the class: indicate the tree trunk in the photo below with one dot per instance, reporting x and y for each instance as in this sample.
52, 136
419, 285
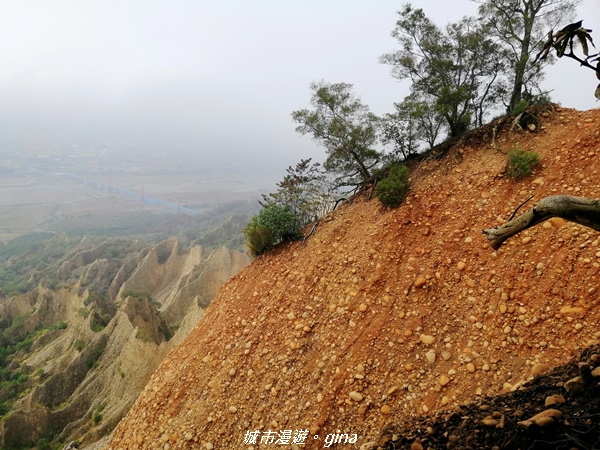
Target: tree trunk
581, 210
361, 166
521, 66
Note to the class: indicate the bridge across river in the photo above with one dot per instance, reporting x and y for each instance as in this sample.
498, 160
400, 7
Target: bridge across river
131, 194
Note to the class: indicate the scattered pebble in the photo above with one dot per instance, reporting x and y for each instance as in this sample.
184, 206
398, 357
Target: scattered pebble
430, 356
543, 419
420, 282
427, 339
356, 396
555, 399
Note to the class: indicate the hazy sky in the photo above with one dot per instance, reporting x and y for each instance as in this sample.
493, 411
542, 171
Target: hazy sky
221, 76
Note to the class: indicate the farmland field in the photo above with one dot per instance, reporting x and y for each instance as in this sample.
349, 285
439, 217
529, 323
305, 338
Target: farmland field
53, 202
118, 189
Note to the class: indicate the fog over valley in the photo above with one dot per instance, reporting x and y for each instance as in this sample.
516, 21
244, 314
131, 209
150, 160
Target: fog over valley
214, 81
189, 103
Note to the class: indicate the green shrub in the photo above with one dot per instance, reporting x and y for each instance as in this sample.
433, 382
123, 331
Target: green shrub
274, 224
24, 344
96, 418
520, 107
393, 189
135, 294
281, 221
521, 163
5, 408
97, 415
80, 344
43, 444
94, 356
97, 327
258, 237
143, 336
60, 325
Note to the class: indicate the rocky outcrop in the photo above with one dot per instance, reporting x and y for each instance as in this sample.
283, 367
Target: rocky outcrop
97, 339
147, 320
83, 258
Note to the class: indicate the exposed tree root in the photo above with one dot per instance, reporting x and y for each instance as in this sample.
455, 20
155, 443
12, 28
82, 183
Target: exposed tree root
581, 210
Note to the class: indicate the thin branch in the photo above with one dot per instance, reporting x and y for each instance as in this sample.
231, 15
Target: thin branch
519, 207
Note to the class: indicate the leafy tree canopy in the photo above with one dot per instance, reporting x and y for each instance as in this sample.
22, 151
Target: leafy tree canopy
517, 27
306, 190
455, 69
400, 131
341, 123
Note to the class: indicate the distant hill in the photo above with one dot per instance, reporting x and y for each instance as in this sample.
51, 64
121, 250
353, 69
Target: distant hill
78, 347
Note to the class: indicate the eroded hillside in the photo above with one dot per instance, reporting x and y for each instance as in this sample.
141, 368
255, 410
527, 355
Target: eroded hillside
386, 314
86, 342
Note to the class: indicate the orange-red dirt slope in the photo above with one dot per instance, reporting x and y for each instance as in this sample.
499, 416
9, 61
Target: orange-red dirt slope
384, 314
